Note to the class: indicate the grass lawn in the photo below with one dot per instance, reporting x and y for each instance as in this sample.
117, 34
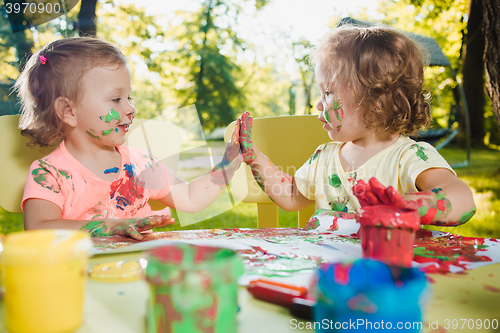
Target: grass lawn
482, 175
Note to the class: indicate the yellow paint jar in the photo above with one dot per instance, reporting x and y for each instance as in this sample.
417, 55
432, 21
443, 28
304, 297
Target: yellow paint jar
44, 280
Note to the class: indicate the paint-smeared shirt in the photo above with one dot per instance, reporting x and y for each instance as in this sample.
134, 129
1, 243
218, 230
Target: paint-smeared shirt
81, 195
322, 177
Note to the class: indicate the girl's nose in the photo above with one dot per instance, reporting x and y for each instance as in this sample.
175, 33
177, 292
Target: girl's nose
319, 106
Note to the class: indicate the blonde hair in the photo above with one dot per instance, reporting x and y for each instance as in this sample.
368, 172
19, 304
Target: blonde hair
57, 71
383, 69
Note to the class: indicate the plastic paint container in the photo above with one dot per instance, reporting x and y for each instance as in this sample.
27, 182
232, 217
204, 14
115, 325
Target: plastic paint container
387, 234
44, 280
364, 297
193, 289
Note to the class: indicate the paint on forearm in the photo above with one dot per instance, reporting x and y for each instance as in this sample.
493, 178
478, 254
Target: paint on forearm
433, 205
96, 229
467, 216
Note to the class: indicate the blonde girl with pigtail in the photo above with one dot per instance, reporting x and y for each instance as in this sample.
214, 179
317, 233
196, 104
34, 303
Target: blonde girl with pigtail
78, 91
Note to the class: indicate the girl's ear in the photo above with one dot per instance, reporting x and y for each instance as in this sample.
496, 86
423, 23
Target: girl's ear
65, 111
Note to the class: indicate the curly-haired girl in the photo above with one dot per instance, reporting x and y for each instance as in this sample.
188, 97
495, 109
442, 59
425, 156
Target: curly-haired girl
372, 98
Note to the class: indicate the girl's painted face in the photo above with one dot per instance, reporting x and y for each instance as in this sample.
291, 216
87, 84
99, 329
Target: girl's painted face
341, 115
105, 112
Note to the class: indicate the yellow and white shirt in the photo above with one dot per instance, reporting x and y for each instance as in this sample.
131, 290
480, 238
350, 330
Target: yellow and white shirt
322, 177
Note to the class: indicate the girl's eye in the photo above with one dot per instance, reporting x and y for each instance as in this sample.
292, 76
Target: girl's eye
327, 93
116, 100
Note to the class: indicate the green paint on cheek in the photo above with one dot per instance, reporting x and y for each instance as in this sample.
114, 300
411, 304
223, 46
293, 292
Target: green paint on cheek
467, 216
106, 133
89, 132
112, 115
327, 117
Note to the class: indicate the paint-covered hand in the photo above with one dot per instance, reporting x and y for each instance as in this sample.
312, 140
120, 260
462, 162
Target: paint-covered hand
246, 143
129, 228
431, 205
224, 171
374, 194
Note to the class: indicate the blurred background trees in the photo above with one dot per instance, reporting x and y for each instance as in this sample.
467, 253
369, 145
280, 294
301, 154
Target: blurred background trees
199, 57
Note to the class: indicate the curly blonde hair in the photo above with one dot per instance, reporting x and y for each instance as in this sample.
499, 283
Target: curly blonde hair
57, 71
383, 68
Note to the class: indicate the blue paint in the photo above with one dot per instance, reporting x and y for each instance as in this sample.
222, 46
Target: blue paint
112, 170
365, 293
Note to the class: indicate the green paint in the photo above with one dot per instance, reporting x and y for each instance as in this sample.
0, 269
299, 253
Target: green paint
422, 252
327, 117
467, 216
90, 132
316, 154
335, 181
106, 133
420, 152
193, 289
422, 210
339, 205
112, 115
47, 176
96, 229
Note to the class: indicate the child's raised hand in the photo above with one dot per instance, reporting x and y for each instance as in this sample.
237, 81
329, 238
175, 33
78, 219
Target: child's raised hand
224, 171
246, 138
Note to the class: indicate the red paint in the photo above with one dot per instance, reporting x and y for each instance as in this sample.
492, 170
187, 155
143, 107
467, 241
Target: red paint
341, 274
168, 254
387, 234
491, 288
447, 250
170, 315
275, 292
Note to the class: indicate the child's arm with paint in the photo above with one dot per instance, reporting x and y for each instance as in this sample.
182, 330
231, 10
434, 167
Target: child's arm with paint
198, 194
443, 199
278, 185
43, 214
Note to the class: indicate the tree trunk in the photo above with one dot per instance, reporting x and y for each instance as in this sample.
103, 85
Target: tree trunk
491, 29
86, 25
473, 71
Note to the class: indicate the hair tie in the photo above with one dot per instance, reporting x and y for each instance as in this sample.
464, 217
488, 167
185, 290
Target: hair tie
43, 60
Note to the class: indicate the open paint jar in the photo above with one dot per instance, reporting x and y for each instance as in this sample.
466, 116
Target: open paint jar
387, 234
44, 280
193, 289
363, 296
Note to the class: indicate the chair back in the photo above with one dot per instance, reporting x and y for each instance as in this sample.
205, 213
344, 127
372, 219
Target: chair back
288, 141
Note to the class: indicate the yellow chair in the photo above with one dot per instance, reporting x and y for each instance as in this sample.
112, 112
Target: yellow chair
288, 141
162, 139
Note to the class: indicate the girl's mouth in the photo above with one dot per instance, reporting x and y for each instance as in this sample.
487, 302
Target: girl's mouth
124, 127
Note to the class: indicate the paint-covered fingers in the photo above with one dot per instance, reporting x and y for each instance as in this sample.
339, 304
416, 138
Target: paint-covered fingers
125, 229
365, 194
379, 190
398, 201
152, 221
246, 138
